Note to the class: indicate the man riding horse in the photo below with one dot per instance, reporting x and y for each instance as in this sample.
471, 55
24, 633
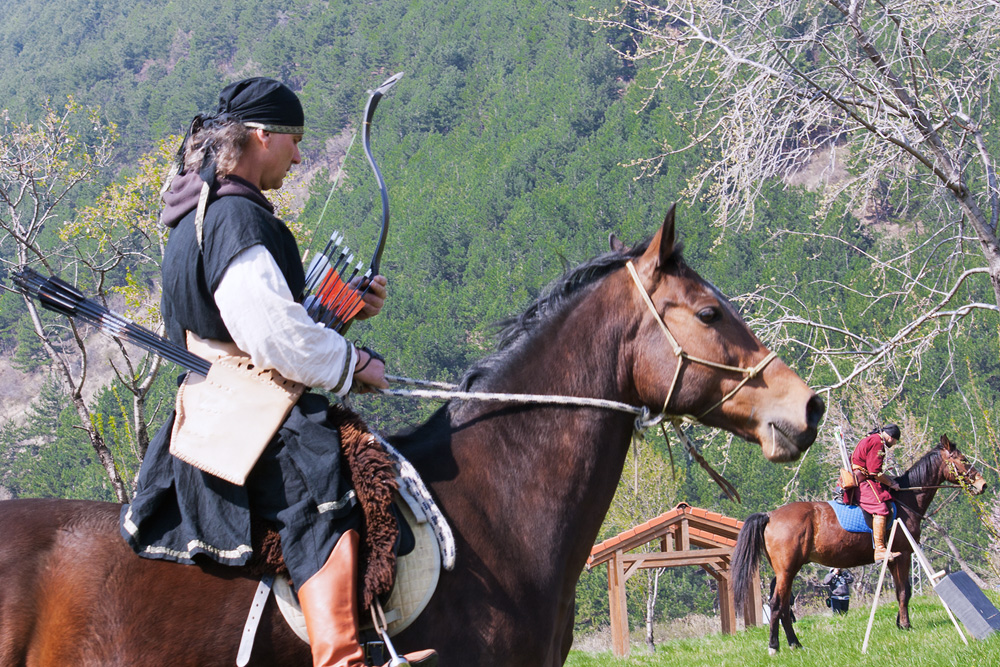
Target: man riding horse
874, 485
232, 285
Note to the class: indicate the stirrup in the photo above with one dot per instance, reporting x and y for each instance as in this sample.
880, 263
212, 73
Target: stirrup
396, 660
893, 555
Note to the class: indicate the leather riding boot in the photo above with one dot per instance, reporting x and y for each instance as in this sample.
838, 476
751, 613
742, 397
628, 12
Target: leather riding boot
879, 535
329, 601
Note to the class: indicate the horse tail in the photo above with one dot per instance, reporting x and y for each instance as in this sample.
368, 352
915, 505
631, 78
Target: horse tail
746, 556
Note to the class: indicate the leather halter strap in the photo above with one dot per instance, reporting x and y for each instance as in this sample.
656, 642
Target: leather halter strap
750, 372
966, 478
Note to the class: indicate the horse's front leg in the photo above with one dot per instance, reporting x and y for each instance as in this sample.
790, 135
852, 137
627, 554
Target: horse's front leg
565, 641
901, 579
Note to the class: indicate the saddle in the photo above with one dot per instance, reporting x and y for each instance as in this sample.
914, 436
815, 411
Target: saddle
374, 481
417, 574
403, 584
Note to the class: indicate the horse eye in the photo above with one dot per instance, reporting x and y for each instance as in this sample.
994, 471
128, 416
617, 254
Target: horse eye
709, 315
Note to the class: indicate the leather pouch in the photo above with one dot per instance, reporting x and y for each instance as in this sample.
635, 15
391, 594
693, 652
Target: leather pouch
225, 420
847, 480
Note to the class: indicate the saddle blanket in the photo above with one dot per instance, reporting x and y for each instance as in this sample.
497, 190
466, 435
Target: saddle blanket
852, 517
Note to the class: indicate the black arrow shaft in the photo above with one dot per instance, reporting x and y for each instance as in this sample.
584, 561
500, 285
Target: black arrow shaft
59, 296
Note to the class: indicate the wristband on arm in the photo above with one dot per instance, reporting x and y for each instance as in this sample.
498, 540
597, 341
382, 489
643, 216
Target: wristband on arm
371, 355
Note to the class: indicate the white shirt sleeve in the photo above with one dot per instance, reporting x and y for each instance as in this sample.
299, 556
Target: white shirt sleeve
265, 322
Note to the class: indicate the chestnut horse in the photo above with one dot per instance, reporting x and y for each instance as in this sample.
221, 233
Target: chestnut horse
525, 487
809, 532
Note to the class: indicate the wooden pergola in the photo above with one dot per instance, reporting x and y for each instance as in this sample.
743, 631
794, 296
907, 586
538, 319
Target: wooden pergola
688, 536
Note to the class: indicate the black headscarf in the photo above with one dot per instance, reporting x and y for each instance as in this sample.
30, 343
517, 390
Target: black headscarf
262, 103
257, 102
890, 430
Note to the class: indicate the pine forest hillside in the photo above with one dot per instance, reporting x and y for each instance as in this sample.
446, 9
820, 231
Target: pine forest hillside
506, 148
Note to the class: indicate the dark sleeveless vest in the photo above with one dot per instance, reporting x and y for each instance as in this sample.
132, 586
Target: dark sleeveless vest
190, 277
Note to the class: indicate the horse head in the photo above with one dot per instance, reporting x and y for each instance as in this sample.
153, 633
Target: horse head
958, 469
694, 356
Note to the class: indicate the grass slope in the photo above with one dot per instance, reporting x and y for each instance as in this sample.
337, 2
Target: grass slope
827, 642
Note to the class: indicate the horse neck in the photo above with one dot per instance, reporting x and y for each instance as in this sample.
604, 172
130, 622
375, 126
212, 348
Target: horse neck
555, 469
928, 476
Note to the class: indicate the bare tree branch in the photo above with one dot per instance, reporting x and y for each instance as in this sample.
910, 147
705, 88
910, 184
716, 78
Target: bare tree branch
41, 165
903, 88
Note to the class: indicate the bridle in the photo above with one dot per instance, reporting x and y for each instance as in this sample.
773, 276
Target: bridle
964, 479
644, 416
750, 372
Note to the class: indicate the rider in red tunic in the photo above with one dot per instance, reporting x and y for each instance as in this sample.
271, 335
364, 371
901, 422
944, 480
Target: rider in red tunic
874, 485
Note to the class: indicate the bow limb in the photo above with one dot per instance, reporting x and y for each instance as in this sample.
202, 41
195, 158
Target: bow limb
366, 141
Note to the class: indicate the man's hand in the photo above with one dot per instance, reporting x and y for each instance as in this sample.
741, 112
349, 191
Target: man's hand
888, 481
369, 373
374, 297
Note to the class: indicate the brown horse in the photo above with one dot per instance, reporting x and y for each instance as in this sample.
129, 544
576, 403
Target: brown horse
525, 487
809, 532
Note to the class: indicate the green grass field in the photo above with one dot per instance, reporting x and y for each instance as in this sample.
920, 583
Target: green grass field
827, 642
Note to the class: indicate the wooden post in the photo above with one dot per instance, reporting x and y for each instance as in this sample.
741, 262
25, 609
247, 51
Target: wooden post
752, 612
616, 607
878, 588
727, 608
933, 577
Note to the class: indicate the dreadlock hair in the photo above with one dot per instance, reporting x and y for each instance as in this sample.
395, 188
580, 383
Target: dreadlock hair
225, 139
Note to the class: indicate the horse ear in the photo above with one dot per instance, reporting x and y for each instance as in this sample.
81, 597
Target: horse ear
946, 444
616, 243
662, 246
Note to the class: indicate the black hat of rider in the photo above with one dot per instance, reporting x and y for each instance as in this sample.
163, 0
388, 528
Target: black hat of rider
892, 431
263, 103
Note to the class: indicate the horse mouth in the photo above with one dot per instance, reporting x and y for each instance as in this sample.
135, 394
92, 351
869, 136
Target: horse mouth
779, 446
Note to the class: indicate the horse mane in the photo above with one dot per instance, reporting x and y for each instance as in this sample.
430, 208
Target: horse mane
512, 335
515, 332
921, 471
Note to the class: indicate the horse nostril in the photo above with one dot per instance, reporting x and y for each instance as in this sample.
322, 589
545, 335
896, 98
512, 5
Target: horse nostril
815, 409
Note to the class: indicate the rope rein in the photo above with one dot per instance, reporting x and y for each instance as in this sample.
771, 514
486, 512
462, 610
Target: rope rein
445, 391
